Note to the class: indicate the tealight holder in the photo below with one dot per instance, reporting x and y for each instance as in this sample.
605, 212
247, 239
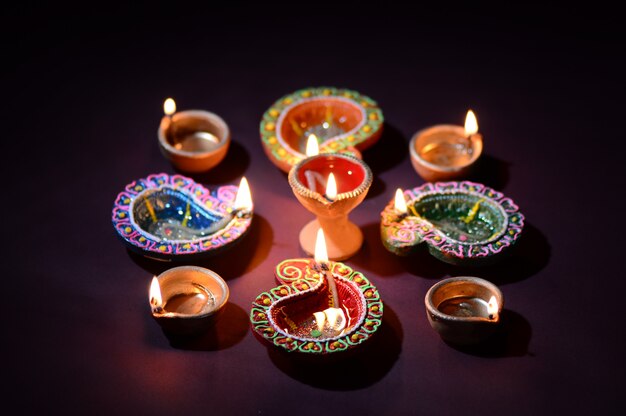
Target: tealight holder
171, 217
344, 121
308, 180
444, 152
464, 310
188, 300
464, 223
287, 316
194, 140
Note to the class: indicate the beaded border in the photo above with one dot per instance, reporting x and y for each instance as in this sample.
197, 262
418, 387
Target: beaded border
220, 203
359, 137
400, 234
296, 276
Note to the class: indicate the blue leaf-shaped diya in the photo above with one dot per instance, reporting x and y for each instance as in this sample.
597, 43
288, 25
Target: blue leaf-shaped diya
463, 223
171, 217
287, 316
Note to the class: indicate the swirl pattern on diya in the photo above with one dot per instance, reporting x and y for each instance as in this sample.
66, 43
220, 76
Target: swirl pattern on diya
462, 222
344, 121
169, 216
300, 283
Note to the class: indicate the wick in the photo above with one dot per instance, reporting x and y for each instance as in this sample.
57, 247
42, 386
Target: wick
469, 149
157, 309
331, 284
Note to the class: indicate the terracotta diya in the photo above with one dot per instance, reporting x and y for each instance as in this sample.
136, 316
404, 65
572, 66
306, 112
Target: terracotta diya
461, 222
343, 120
171, 217
330, 185
319, 308
193, 140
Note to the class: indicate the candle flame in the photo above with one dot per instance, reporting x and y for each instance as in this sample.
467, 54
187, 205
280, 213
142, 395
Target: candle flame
321, 254
156, 301
400, 202
492, 307
243, 200
331, 187
169, 107
332, 318
312, 146
471, 124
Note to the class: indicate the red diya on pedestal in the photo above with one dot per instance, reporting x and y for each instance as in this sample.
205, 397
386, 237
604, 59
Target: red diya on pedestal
321, 307
330, 185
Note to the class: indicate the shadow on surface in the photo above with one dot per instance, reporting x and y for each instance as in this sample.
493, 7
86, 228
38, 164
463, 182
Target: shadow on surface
228, 172
525, 259
229, 329
510, 340
491, 171
244, 255
359, 368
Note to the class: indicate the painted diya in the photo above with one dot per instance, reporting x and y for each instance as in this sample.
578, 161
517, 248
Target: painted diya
172, 217
463, 223
300, 315
342, 120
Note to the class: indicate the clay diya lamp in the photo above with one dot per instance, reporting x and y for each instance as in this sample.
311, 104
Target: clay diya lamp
444, 152
193, 140
463, 223
464, 310
342, 120
171, 217
330, 185
320, 308
187, 300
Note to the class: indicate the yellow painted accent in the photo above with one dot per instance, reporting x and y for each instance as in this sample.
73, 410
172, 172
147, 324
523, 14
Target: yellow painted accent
266, 301
295, 127
128, 229
274, 112
326, 92
162, 248
151, 210
282, 152
373, 116
142, 239
367, 128
473, 212
187, 214
270, 126
306, 94
287, 101
122, 214
272, 140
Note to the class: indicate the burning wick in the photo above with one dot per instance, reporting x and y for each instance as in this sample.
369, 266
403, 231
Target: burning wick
322, 265
492, 308
169, 108
400, 203
156, 301
331, 188
471, 128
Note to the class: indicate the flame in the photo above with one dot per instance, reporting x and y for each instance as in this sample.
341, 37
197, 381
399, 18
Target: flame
169, 107
243, 200
471, 124
321, 254
312, 147
400, 202
331, 187
336, 319
492, 307
332, 318
155, 294
320, 319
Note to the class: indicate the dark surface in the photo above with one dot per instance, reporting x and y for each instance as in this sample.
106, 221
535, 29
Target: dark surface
82, 103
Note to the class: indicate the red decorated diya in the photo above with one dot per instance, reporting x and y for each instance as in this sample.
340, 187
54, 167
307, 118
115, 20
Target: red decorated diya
342, 120
288, 316
311, 180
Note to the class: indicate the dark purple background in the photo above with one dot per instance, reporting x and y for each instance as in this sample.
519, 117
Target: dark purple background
82, 102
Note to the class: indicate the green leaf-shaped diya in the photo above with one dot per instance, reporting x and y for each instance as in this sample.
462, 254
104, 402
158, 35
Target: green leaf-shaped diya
463, 223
